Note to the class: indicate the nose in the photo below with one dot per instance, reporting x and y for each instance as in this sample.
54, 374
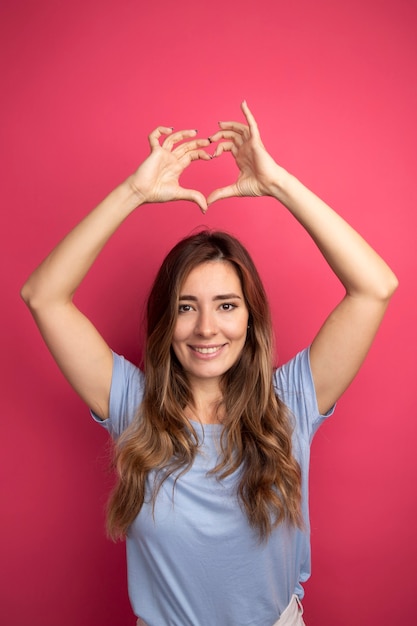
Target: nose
206, 325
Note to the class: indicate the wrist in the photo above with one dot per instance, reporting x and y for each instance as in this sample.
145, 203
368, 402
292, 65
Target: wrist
281, 183
132, 196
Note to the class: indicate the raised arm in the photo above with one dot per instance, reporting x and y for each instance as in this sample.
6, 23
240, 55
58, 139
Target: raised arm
340, 347
81, 353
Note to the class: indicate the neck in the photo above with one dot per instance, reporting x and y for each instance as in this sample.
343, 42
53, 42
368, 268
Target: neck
206, 399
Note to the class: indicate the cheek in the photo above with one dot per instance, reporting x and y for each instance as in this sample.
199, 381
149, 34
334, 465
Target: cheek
240, 327
180, 330
180, 337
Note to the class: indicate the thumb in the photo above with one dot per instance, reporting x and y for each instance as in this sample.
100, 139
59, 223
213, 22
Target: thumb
194, 196
220, 194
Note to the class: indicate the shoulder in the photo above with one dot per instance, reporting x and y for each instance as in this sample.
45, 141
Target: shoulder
294, 373
125, 374
126, 393
294, 385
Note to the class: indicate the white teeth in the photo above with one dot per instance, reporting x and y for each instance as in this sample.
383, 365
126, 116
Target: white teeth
207, 350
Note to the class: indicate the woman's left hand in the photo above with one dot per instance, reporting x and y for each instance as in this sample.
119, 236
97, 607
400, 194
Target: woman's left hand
259, 174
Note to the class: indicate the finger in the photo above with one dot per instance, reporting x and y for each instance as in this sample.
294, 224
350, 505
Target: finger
223, 192
225, 146
238, 127
195, 155
176, 137
194, 196
227, 134
154, 136
190, 146
253, 126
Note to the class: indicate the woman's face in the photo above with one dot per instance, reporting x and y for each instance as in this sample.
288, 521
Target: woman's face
212, 322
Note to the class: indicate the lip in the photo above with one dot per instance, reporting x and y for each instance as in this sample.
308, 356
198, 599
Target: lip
206, 351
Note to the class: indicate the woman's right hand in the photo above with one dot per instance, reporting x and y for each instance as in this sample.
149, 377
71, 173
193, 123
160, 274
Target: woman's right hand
79, 350
157, 178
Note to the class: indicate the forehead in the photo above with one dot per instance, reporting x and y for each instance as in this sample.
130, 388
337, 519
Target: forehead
212, 276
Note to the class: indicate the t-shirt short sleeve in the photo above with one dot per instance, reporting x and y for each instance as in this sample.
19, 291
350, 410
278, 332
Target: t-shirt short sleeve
294, 385
125, 396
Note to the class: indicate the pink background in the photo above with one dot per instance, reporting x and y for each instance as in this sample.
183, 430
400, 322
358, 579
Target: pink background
333, 86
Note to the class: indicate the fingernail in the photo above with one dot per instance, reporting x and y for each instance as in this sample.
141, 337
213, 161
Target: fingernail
210, 139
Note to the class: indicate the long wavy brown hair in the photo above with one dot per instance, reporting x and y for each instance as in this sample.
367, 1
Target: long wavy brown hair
256, 435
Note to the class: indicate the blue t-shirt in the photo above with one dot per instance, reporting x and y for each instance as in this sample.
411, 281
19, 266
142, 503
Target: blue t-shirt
196, 561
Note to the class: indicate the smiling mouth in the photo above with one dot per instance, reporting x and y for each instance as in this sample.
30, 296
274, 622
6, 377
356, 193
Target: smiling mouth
208, 350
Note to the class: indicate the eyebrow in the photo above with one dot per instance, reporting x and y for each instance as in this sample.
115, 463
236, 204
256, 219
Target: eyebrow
225, 296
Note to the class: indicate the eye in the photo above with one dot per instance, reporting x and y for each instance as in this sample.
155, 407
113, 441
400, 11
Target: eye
184, 308
227, 306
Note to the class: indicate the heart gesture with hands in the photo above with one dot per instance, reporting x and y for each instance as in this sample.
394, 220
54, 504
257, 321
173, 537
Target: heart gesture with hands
157, 178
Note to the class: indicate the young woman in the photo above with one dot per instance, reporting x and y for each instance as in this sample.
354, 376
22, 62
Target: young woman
212, 443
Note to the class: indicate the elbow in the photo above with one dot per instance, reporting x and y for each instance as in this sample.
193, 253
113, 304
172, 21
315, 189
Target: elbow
38, 295
384, 284
30, 295
390, 286
384, 291
25, 293
379, 288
